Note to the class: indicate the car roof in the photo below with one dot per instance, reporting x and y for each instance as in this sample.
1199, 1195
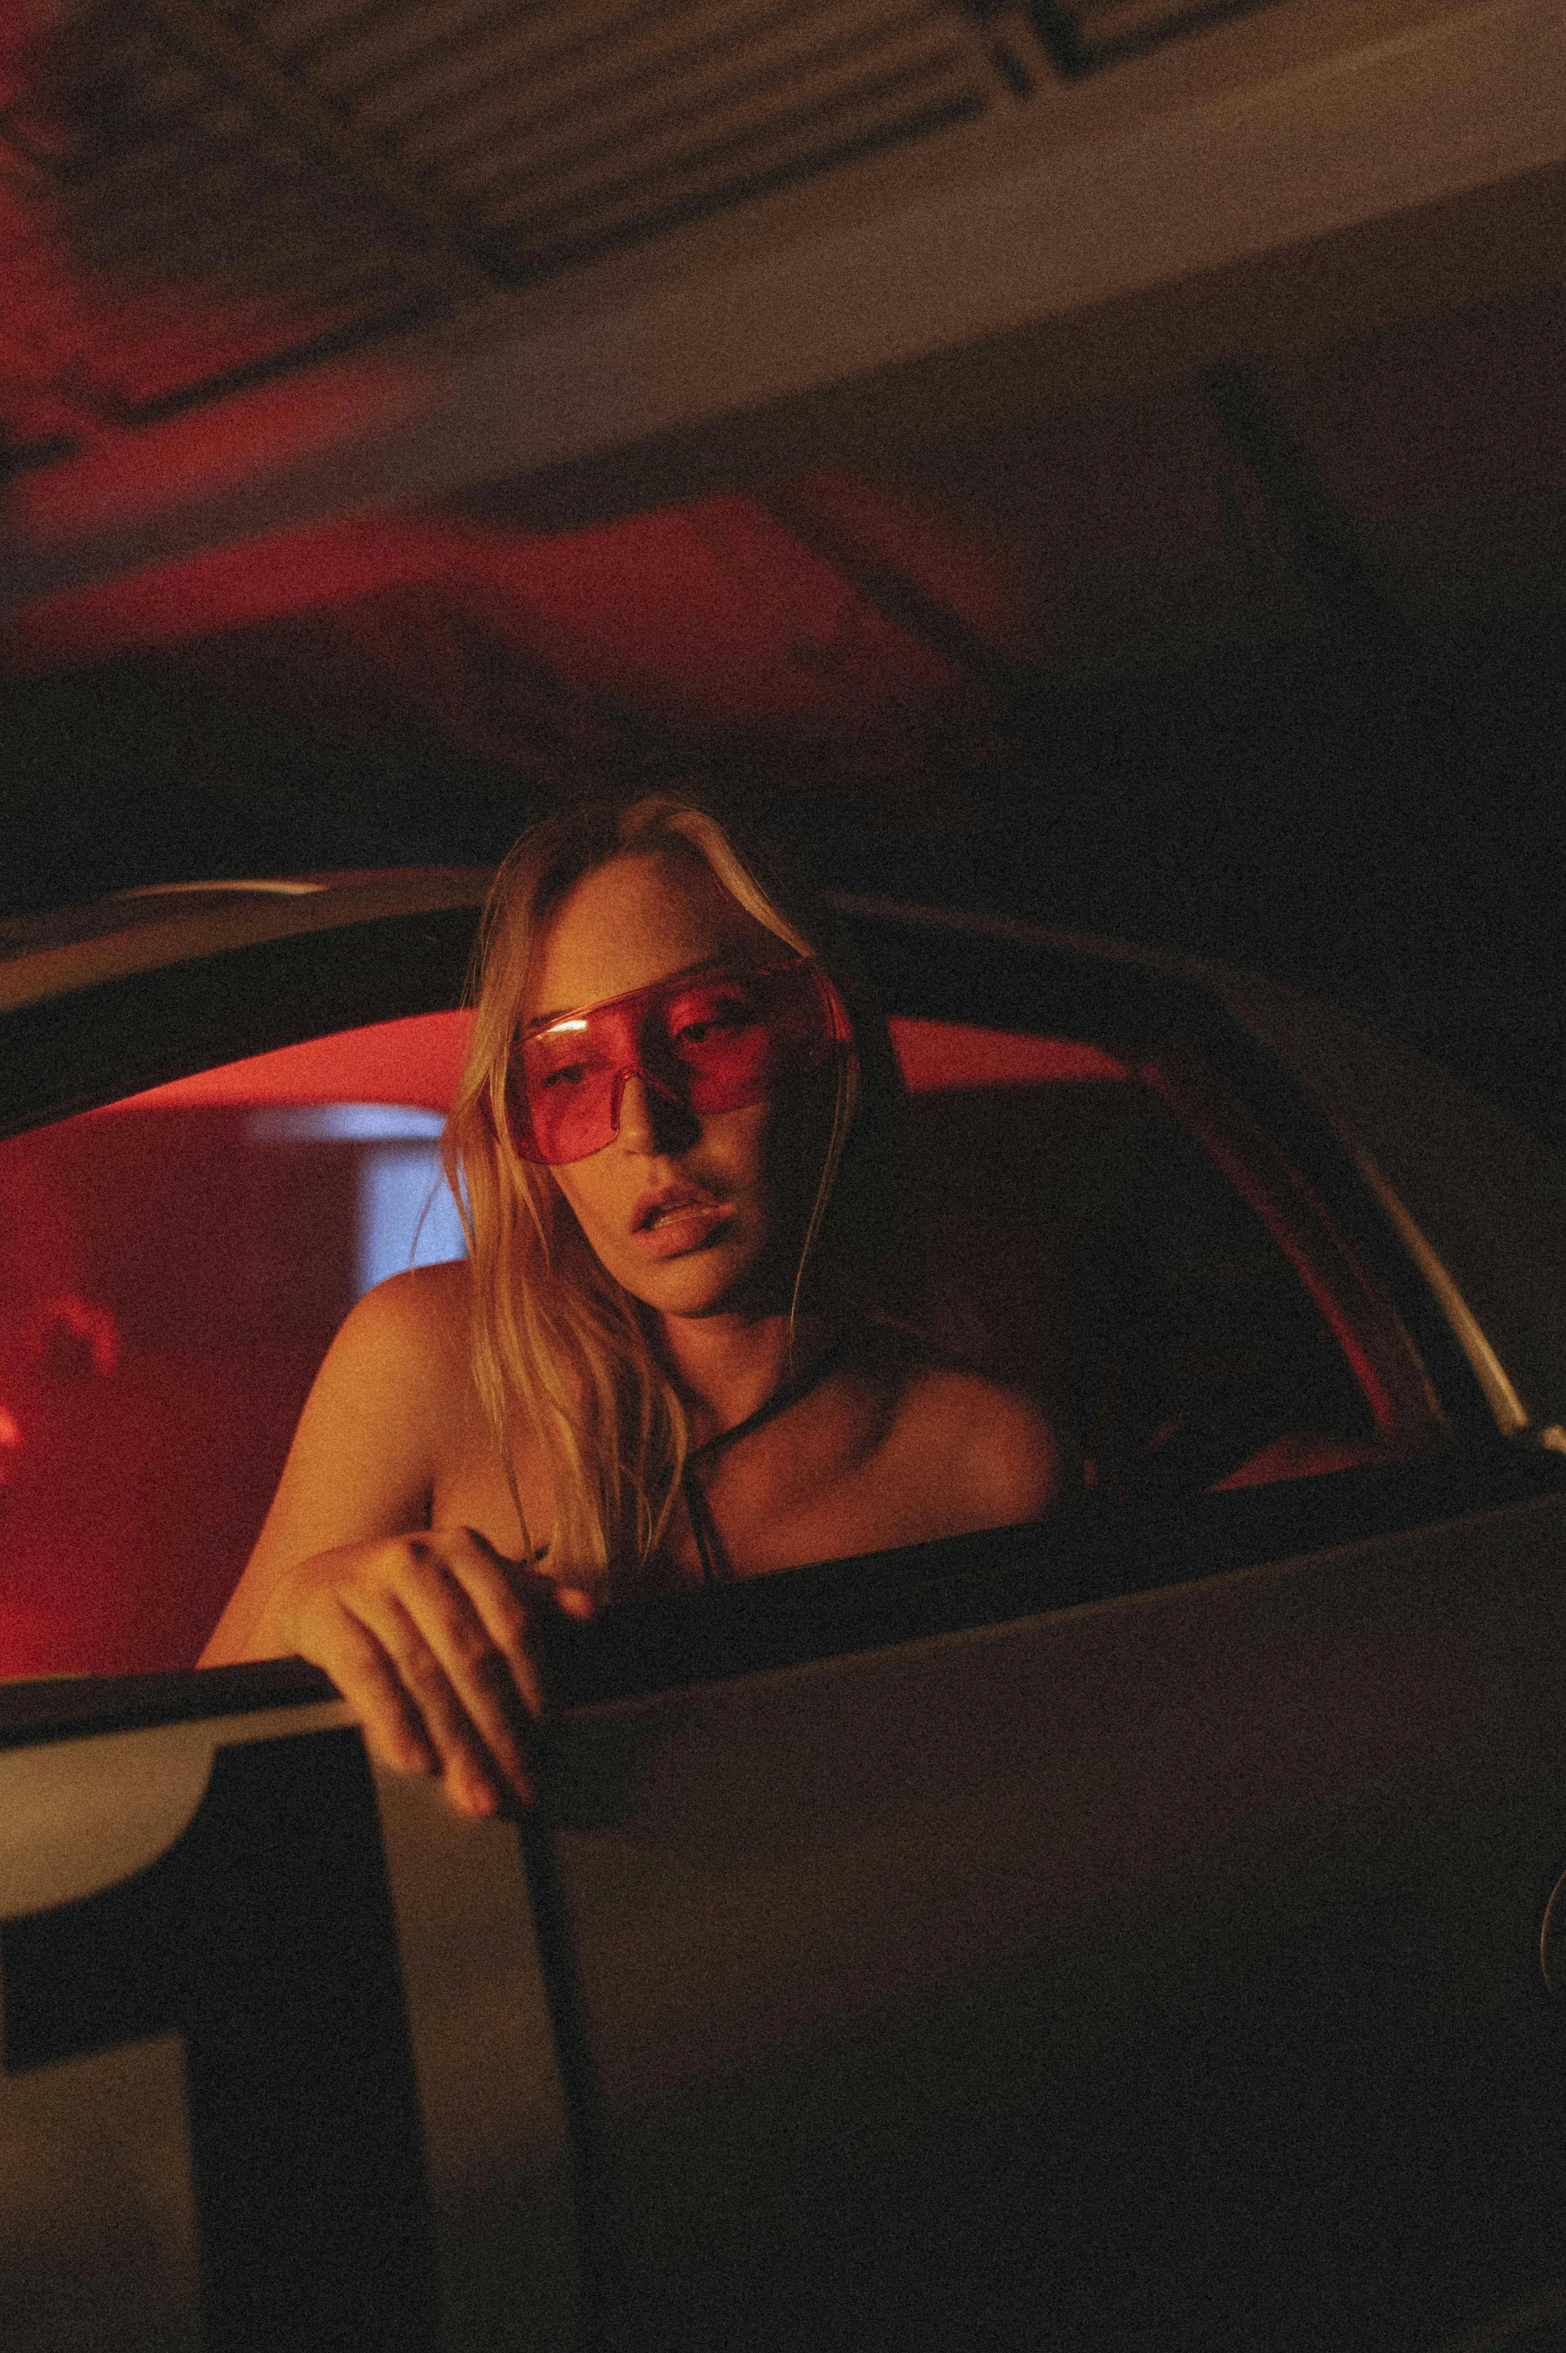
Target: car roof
67, 948
70, 948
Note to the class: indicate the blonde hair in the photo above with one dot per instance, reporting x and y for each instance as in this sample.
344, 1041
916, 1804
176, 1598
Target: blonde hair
557, 1345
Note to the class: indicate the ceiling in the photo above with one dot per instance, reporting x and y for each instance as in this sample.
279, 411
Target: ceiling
814, 382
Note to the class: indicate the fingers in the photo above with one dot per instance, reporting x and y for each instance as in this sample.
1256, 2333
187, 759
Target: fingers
431, 1637
472, 1729
392, 1724
481, 1615
488, 1606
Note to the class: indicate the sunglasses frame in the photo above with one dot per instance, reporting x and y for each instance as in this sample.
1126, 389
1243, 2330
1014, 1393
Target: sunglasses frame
835, 1034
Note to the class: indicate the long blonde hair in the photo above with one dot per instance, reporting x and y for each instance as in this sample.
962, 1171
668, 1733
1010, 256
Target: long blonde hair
558, 1347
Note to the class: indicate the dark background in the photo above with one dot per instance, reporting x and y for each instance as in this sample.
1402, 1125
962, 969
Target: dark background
1375, 815
1244, 640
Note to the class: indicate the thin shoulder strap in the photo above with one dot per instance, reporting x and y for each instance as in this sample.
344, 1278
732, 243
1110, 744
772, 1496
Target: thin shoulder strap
704, 1528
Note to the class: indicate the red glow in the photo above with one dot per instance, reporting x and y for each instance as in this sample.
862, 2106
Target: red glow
708, 616
971, 573
711, 615
235, 587
208, 451
941, 1054
418, 1061
69, 1317
714, 620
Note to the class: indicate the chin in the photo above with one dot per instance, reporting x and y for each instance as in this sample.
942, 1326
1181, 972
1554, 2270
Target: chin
694, 1292
707, 1282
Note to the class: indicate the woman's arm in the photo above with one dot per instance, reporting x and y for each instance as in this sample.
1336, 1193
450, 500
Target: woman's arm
426, 1631
362, 1462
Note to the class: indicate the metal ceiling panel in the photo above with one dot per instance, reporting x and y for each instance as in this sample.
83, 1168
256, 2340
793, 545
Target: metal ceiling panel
561, 126
195, 194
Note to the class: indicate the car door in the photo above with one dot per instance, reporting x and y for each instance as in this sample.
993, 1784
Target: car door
279, 2067
1123, 1932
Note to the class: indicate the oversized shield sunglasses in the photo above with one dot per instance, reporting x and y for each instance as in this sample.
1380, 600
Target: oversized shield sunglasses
712, 1040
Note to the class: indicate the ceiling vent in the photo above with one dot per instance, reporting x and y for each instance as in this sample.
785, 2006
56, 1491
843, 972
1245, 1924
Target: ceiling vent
561, 131
195, 194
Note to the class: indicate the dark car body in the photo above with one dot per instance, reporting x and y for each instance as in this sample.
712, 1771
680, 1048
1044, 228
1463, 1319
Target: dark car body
1121, 1930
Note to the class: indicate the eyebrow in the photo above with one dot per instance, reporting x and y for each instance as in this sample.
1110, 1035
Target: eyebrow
685, 972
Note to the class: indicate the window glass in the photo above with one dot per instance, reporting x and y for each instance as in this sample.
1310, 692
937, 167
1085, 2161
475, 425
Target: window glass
1489, 1198
172, 1270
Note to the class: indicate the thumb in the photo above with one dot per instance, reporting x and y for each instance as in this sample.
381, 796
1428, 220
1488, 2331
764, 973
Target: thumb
526, 1576
532, 1583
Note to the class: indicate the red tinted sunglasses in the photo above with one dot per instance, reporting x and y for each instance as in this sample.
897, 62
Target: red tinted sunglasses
712, 1040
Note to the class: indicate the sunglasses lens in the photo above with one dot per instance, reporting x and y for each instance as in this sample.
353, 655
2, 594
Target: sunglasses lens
713, 1042
729, 1038
568, 1087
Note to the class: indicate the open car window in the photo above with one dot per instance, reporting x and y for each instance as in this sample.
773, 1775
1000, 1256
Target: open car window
1109, 1230
1122, 1239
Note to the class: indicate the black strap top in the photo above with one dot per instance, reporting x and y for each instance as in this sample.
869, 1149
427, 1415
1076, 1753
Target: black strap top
709, 1544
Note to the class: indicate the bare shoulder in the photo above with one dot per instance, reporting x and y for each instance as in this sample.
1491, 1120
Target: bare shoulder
420, 1315
395, 1379
995, 1453
386, 1407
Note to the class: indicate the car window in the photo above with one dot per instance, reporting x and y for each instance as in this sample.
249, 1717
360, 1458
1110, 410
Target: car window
1489, 1198
1098, 1230
174, 1275
1136, 1254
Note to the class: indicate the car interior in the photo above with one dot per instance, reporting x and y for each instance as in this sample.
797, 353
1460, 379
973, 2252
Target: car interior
178, 1262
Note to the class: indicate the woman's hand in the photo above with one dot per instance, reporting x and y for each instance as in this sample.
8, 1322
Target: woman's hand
431, 1639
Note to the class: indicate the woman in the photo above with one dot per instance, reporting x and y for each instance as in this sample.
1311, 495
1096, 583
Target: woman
675, 1350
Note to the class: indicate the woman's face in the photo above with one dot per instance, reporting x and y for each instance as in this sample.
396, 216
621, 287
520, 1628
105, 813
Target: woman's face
693, 1214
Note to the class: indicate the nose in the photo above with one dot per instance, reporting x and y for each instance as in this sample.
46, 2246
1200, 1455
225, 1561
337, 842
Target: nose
651, 1120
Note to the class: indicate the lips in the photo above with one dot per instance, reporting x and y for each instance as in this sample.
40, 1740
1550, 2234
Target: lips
676, 1218
655, 1209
